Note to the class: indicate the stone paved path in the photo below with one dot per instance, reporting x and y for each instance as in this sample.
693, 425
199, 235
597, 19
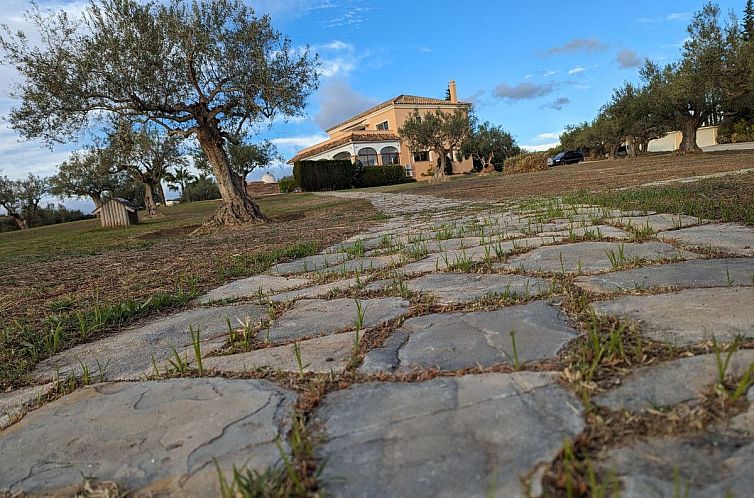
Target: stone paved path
445, 337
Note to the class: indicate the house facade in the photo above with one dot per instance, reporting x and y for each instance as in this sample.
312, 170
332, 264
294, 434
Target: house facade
372, 136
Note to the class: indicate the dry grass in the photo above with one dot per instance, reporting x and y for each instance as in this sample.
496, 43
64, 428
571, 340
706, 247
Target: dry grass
592, 176
525, 163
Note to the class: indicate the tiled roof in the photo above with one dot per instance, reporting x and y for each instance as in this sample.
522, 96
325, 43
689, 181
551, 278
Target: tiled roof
355, 137
400, 99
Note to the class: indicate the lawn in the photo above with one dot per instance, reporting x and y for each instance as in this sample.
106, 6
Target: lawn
591, 176
81, 276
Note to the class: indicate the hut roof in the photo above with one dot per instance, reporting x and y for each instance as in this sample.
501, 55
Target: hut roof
130, 206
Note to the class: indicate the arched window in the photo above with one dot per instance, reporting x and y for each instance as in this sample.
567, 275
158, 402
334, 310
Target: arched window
340, 156
390, 155
368, 156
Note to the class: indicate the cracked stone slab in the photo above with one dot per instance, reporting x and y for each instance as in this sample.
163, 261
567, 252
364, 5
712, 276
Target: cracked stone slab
688, 316
600, 231
314, 292
447, 437
157, 437
687, 274
672, 382
657, 222
251, 287
730, 238
311, 317
711, 464
367, 263
309, 263
127, 355
14, 404
453, 288
454, 341
586, 257
330, 353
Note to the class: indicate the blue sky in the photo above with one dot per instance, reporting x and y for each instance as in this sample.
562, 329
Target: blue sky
532, 66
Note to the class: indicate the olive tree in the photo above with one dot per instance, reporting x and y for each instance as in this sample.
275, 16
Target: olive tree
490, 145
20, 198
441, 132
146, 155
87, 173
207, 69
690, 92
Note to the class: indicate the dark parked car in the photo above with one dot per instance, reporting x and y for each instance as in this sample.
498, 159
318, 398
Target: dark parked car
567, 157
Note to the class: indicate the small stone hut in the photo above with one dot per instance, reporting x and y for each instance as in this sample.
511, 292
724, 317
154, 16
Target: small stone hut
117, 212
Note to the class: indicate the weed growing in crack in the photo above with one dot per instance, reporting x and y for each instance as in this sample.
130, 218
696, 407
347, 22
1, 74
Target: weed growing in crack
196, 341
178, 365
617, 260
293, 476
723, 357
299, 361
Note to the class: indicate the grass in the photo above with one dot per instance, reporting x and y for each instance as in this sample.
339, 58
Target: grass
726, 199
75, 282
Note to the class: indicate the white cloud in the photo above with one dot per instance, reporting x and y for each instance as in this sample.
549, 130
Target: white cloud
553, 135
338, 101
299, 142
549, 73
576, 70
338, 58
678, 16
540, 147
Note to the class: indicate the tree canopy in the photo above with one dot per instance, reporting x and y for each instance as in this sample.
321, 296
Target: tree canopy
489, 144
20, 198
438, 131
87, 173
207, 69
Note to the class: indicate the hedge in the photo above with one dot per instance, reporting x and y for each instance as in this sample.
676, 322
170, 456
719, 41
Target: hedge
535, 161
375, 176
313, 176
287, 184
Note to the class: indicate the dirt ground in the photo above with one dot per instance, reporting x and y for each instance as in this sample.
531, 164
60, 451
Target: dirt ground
593, 176
163, 256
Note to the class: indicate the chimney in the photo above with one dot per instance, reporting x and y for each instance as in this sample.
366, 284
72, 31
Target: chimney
453, 91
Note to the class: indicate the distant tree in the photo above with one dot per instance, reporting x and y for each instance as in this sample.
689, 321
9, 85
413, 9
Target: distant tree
146, 155
203, 188
87, 173
246, 157
20, 198
207, 69
690, 92
748, 22
180, 179
489, 144
441, 132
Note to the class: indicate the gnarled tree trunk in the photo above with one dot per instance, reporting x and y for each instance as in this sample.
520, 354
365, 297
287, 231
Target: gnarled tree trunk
439, 175
688, 139
236, 207
21, 223
632, 147
96, 199
149, 203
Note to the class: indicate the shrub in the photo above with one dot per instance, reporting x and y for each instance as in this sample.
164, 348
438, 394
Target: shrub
375, 176
535, 161
313, 176
287, 184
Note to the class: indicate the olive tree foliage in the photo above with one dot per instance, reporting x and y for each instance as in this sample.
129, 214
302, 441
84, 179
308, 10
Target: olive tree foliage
441, 132
87, 173
690, 92
489, 145
207, 69
147, 155
20, 198
246, 157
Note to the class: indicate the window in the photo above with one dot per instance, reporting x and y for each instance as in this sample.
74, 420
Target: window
342, 156
409, 171
381, 126
368, 156
390, 155
422, 156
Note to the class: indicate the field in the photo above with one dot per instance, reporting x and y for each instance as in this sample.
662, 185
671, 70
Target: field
590, 176
77, 272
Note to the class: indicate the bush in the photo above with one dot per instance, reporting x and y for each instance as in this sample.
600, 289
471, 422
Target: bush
376, 176
313, 176
535, 161
287, 184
